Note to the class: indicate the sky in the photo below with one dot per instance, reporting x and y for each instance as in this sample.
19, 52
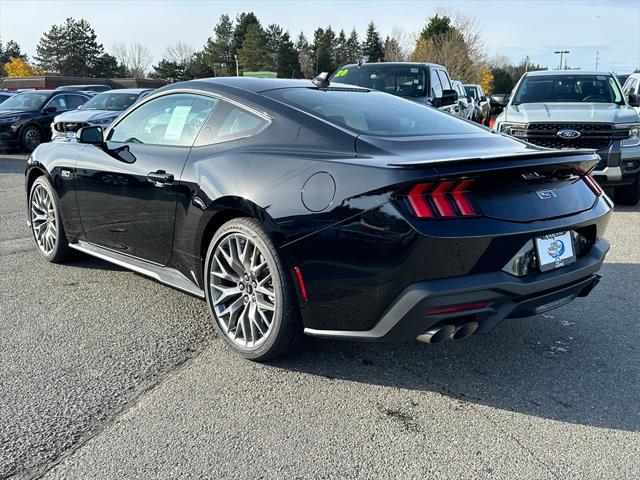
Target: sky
513, 28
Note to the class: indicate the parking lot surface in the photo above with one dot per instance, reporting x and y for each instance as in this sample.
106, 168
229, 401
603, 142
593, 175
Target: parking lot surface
107, 374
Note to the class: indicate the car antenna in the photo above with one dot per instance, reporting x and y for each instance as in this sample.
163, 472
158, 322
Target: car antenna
322, 80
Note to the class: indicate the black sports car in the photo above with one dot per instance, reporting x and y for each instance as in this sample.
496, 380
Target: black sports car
301, 207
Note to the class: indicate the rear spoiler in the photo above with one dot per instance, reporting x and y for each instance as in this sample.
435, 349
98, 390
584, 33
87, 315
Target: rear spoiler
509, 160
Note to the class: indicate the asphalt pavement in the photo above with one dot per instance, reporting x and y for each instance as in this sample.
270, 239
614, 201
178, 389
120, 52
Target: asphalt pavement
107, 374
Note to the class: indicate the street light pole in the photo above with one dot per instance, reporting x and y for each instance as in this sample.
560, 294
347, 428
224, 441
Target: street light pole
237, 70
561, 52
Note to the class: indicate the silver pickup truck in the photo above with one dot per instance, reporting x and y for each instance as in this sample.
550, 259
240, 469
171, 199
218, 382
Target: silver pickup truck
577, 109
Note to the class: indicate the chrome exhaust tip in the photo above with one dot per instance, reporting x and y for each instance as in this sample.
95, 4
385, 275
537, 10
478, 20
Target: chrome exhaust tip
464, 330
437, 334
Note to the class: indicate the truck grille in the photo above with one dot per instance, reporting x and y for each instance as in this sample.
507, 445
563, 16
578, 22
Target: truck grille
69, 126
593, 135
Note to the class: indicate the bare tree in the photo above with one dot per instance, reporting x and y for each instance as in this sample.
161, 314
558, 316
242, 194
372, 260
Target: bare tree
180, 53
136, 58
397, 46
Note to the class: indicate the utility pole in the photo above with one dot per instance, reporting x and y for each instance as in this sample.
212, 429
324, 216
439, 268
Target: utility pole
561, 52
237, 69
597, 58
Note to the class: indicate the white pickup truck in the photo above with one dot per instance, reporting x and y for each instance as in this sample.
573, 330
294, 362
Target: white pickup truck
577, 109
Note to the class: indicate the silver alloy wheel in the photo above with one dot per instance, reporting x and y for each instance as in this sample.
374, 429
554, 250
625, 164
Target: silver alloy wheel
32, 138
242, 291
43, 219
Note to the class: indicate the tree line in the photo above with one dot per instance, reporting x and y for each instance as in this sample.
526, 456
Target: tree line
244, 44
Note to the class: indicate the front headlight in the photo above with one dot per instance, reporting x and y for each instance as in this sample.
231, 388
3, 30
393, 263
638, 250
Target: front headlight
515, 129
634, 129
6, 120
102, 122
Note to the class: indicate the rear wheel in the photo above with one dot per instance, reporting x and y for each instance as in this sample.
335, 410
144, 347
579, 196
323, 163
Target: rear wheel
30, 138
249, 292
628, 195
46, 225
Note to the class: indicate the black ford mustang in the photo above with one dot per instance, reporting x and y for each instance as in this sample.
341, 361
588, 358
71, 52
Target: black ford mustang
299, 207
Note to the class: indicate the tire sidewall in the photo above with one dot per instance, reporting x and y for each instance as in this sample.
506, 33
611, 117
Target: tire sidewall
58, 249
255, 233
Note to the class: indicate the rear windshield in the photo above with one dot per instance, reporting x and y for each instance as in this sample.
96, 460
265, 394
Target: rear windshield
373, 113
404, 81
568, 88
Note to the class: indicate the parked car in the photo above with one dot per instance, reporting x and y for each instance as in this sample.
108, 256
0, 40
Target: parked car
101, 110
465, 103
5, 96
631, 90
84, 88
293, 207
25, 118
426, 83
482, 111
580, 109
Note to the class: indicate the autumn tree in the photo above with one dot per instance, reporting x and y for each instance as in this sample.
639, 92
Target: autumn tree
18, 67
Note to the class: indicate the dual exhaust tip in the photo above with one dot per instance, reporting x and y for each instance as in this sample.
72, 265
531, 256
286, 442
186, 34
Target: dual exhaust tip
441, 332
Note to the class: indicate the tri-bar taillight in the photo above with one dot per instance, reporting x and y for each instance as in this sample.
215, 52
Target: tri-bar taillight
592, 183
447, 198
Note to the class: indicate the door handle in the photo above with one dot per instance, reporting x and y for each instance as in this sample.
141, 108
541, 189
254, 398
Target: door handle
160, 178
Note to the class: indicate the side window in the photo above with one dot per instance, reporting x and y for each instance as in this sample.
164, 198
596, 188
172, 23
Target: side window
444, 80
230, 122
74, 101
630, 86
173, 119
436, 86
59, 102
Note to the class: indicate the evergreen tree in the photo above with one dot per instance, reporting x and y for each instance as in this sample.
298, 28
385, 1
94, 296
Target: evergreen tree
322, 50
243, 21
372, 47
252, 53
437, 26
273, 37
307, 65
218, 54
69, 49
106, 65
340, 52
11, 50
353, 53
288, 63
171, 71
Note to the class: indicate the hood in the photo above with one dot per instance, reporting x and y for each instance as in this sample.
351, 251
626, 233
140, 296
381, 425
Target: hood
86, 115
569, 112
14, 113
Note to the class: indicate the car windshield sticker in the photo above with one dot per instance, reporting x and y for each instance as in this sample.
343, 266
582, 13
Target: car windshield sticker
177, 121
414, 70
342, 73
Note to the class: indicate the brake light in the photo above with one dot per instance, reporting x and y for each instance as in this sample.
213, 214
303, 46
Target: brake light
449, 198
592, 183
455, 309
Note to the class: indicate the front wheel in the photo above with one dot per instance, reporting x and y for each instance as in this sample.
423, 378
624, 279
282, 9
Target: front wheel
628, 195
249, 292
46, 224
30, 138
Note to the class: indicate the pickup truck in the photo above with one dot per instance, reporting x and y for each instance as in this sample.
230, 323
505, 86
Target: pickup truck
580, 110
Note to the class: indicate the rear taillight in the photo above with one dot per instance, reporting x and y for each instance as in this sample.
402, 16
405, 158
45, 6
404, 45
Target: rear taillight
592, 183
449, 198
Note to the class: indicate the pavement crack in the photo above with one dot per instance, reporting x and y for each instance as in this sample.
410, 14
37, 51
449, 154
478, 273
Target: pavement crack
40, 471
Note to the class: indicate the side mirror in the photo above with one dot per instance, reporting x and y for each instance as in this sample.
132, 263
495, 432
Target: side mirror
50, 109
92, 135
449, 97
499, 100
483, 98
634, 100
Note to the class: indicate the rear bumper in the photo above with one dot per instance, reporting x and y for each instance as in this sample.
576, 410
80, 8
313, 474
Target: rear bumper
505, 296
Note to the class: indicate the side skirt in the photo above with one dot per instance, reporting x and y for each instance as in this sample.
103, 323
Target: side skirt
164, 275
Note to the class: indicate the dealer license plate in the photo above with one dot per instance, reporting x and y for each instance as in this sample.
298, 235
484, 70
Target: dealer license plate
555, 250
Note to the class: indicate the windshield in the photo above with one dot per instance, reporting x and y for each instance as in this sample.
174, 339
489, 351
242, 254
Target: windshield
26, 101
568, 88
373, 113
471, 91
116, 102
401, 80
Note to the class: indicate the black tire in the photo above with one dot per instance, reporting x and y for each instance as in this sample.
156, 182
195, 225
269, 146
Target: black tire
285, 332
30, 138
60, 250
628, 195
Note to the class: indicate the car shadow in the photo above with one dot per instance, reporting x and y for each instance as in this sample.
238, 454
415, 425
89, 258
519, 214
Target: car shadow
577, 364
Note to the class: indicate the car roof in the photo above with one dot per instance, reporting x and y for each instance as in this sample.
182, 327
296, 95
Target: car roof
250, 84
391, 64
542, 73
127, 90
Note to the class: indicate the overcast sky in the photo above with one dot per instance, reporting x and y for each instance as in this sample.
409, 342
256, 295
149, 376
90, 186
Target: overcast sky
514, 28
